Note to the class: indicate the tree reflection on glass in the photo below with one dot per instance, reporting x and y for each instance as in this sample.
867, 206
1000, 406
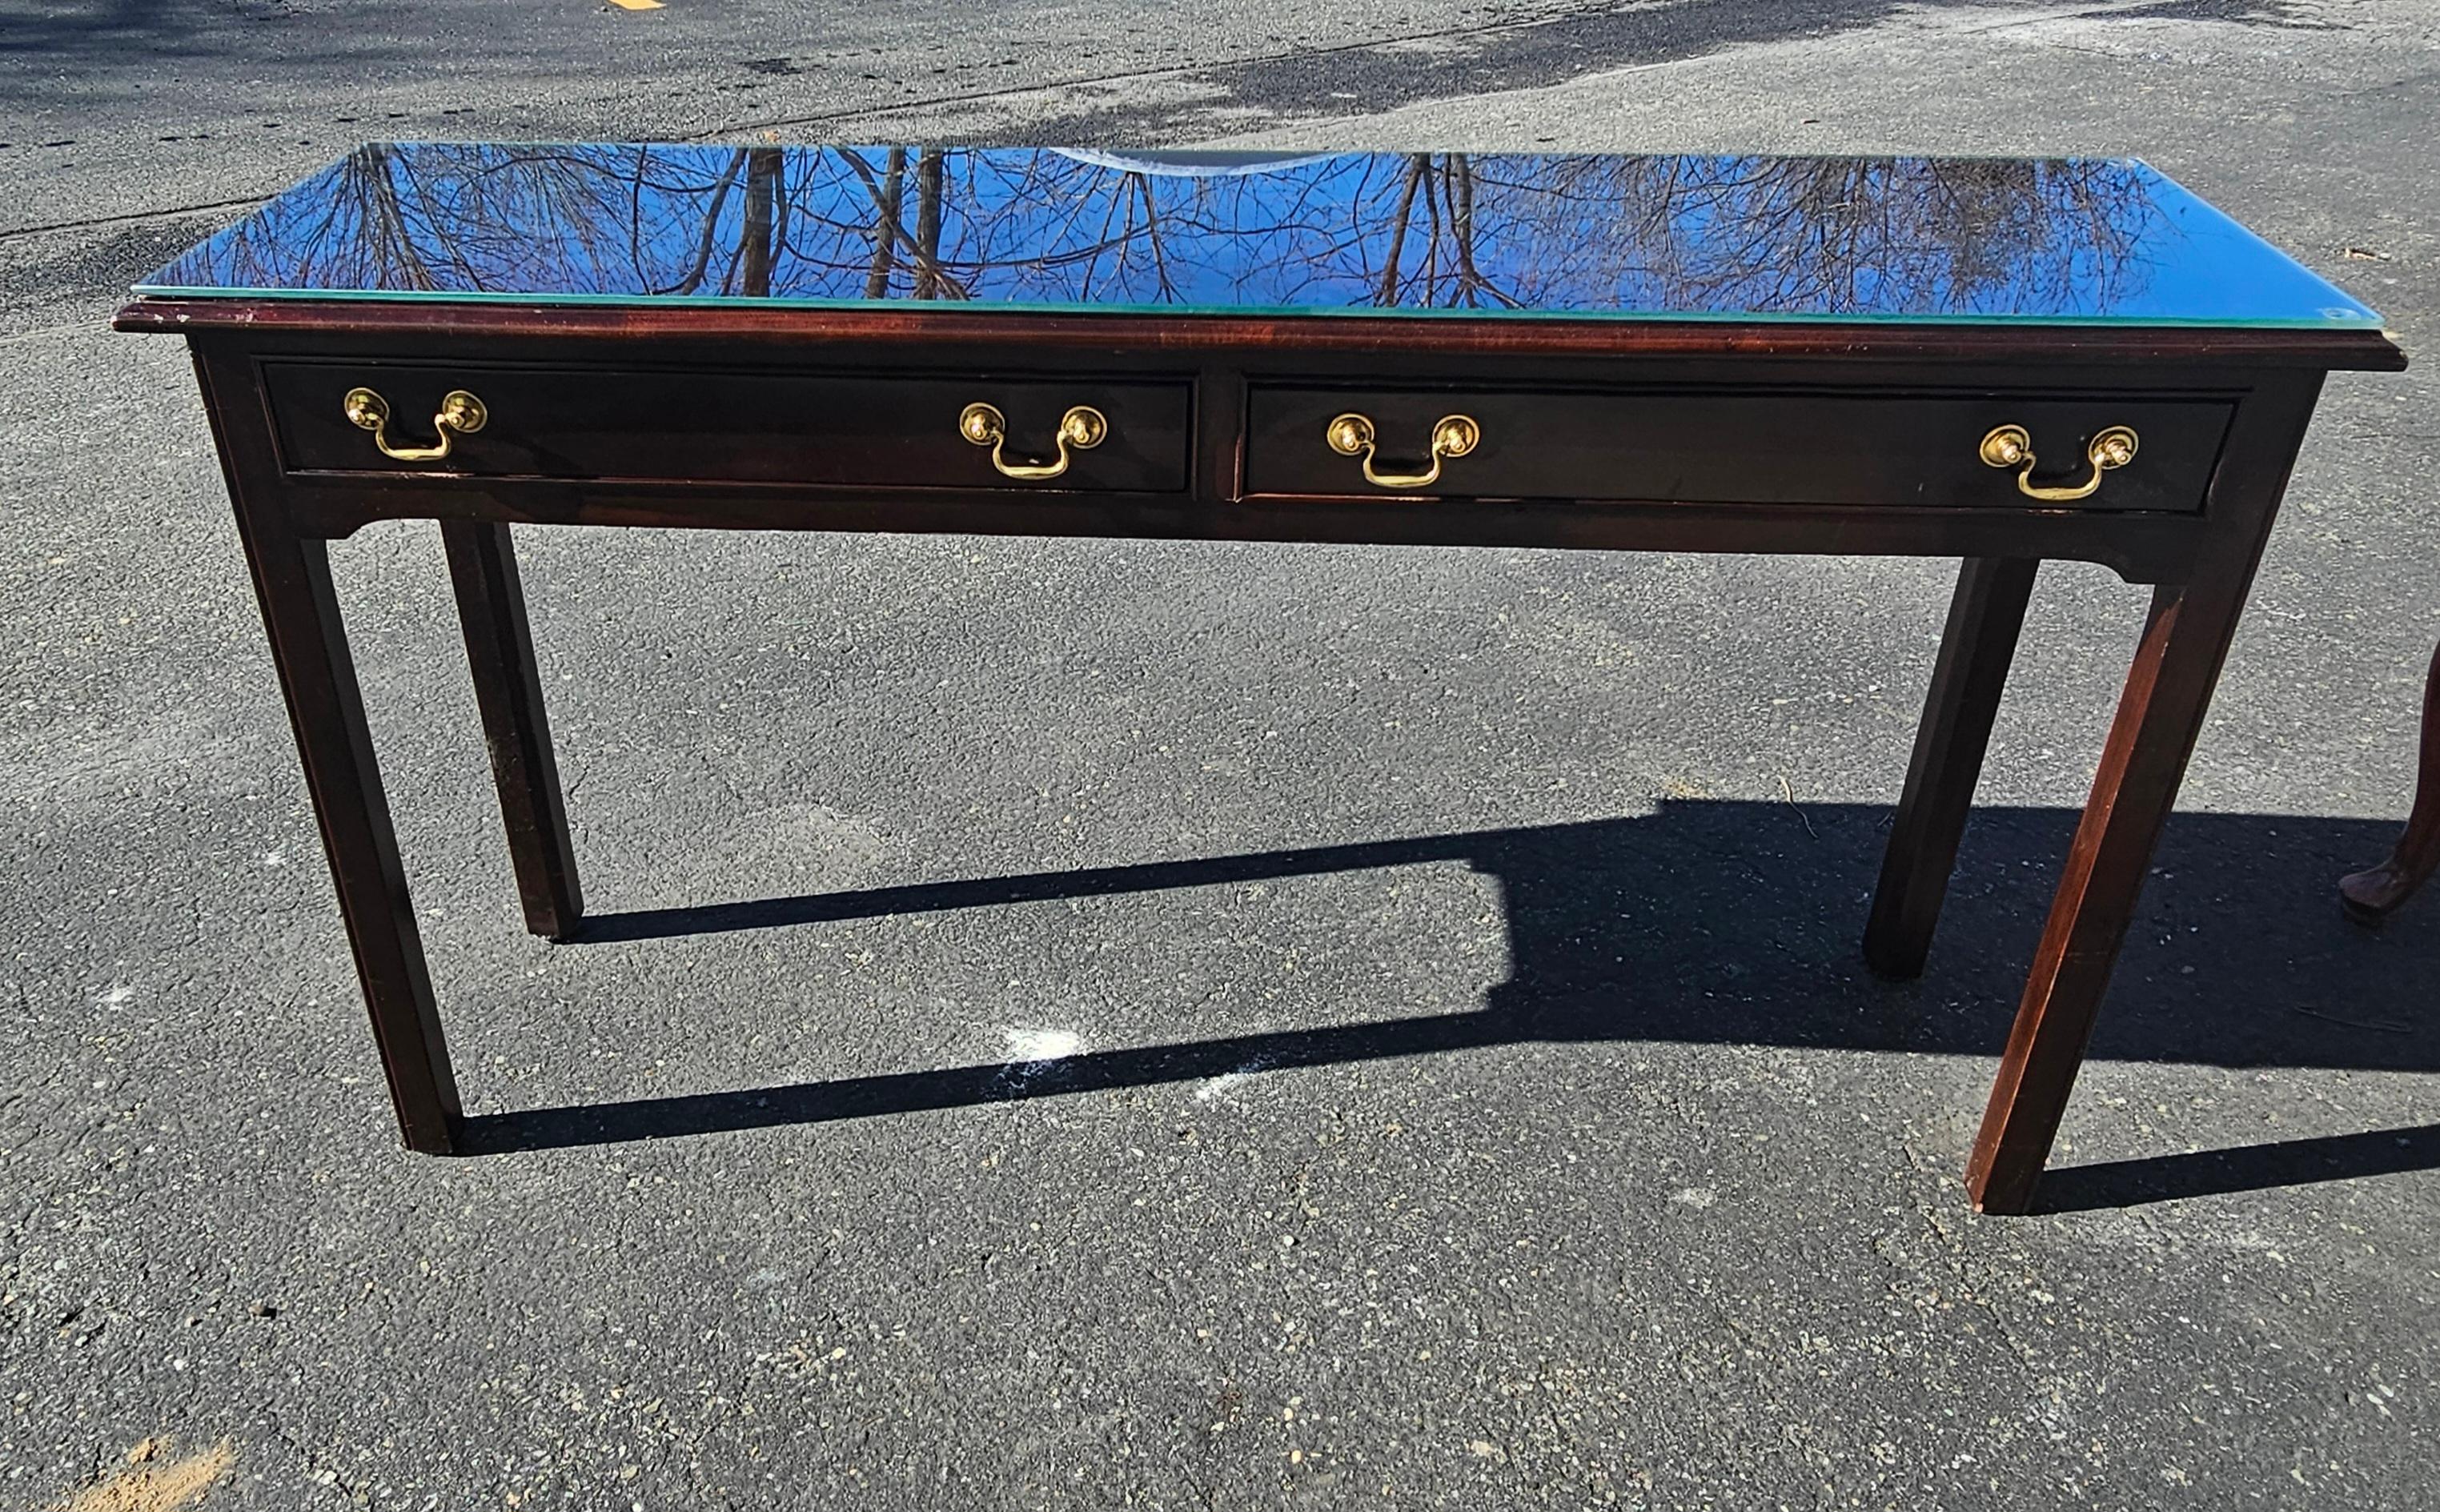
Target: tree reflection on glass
1597, 234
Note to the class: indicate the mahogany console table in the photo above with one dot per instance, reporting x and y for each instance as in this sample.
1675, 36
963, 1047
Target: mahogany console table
1999, 361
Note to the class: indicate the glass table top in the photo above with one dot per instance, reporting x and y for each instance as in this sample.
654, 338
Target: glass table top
1575, 236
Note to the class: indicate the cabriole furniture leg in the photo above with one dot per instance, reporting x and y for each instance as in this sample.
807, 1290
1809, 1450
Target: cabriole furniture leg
2370, 895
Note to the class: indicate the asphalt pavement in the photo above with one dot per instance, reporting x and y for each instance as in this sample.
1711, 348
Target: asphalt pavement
1698, 1242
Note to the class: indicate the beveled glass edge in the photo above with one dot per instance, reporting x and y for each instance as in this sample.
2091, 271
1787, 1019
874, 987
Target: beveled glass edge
2370, 317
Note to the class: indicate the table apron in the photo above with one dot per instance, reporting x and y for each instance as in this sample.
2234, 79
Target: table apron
2139, 547
1763, 454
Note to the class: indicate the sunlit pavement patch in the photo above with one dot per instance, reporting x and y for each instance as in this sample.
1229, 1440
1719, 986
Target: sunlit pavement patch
1033, 1051
152, 1483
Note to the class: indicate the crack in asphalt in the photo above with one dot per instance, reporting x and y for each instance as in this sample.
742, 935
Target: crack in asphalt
87, 223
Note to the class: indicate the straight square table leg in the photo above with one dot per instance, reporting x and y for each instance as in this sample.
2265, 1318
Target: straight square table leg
2160, 713
499, 649
1975, 649
291, 578
317, 679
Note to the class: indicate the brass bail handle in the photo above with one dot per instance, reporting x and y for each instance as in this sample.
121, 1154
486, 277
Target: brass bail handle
462, 414
1082, 428
2013, 446
1452, 436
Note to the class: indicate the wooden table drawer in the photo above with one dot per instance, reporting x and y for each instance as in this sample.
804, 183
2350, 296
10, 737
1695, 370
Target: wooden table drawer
1739, 447
876, 430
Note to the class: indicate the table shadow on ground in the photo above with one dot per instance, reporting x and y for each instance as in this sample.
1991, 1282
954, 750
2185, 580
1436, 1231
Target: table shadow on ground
1733, 923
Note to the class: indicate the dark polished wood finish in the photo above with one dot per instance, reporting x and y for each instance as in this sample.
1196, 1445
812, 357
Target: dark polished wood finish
905, 326
508, 689
2371, 894
317, 678
1727, 445
1975, 649
1609, 435
858, 428
2160, 714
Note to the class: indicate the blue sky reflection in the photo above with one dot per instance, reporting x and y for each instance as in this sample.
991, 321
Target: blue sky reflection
1581, 235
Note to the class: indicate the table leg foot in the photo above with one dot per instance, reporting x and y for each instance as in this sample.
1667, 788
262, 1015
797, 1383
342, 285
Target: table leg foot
1981, 639
508, 686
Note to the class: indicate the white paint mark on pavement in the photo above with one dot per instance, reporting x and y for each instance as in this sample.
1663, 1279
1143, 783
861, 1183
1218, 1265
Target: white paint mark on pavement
1223, 1087
1037, 1047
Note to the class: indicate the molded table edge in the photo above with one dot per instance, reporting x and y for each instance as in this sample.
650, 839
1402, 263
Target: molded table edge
2354, 348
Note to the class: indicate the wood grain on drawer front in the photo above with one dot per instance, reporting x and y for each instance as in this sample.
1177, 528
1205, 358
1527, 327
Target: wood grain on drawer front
878, 430
1733, 447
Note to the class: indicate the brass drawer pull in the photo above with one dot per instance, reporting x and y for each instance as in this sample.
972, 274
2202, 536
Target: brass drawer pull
1082, 427
462, 414
2011, 446
1452, 436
